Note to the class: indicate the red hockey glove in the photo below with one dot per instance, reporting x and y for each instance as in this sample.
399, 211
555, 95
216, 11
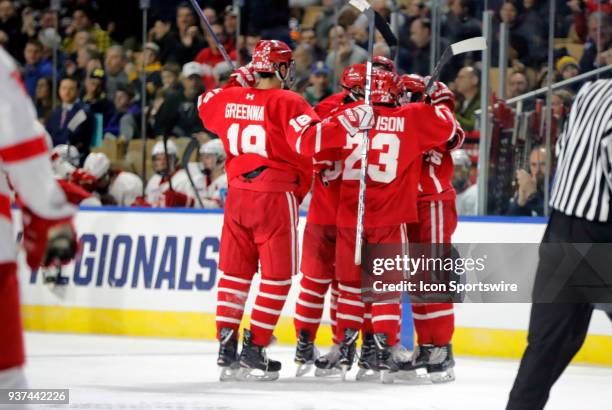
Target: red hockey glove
84, 179
175, 199
442, 95
358, 118
242, 77
48, 242
75, 194
457, 140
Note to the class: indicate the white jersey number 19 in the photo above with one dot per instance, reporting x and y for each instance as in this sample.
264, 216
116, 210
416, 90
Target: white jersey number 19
252, 140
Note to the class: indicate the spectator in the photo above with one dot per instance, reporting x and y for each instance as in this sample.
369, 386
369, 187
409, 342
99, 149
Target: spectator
568, 67
325, 23
44, 99
153, 67
124, 122
460, 23
221, 73
533, 27
170, 76
467, 195
114, 64
518, 44
518, 84
79, 70
561, 102
11, 37
230, 23
82, 19
381, 49
303, 63
178, 114
308, 39
211, 14
319, 80
95, 97
34, 68
211, 54
468, 97
420, 36
344, 51
187, 41
529, 198
598, 42
72, 122
162, 35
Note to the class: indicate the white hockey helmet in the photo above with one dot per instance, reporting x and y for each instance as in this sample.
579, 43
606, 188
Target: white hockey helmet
97, 164
158, 148
67, 153
213, 147
461, 158
126, 188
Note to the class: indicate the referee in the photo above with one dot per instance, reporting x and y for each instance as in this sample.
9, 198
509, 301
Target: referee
574, 270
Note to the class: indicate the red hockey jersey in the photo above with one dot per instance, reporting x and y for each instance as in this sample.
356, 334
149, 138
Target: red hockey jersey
397, 142
271, 128
326, 107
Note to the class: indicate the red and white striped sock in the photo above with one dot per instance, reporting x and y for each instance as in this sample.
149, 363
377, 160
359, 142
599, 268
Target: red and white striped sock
385, 317
333, 307
267, 309
350, 308
309, 305
232, 293
434, 323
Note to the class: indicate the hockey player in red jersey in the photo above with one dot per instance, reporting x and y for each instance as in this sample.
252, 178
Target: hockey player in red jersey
400, 136
48, 236
319, 241
270, 135
434, 322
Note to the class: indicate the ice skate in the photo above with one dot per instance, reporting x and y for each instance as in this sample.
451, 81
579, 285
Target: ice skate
389, 359
440, 366
228, 355
347, 351
305, 354
367, 360
254, 363
327, 364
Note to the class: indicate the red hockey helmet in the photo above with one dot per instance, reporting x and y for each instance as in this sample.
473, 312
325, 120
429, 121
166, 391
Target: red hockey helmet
353, 80
270, 55
385, 87
412, 88
383, 63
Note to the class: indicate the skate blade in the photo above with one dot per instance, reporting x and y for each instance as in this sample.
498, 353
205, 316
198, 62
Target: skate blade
416, 377
333, 372
256, 375
228, 374
367, 375
387, 377
303, 369
442, 377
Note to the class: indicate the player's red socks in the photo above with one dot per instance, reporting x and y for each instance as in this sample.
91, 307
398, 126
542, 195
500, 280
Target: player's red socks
367, 319
434, 323
232, 293
350, 308
385, 317
11, 334
309, 306
267, 309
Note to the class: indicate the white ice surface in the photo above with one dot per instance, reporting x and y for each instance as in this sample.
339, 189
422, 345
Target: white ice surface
104, 372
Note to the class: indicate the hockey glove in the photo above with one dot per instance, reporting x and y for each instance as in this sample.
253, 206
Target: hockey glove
442, 95
242, 77
84, 179
48, 242
357, 119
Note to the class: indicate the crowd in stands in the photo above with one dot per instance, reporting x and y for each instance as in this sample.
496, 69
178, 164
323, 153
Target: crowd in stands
103, 72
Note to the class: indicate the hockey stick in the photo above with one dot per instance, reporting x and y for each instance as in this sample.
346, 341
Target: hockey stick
364, 7
200, 13
460, 47
193, 144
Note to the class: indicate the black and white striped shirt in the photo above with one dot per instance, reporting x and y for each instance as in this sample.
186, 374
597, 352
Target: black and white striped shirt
583, 180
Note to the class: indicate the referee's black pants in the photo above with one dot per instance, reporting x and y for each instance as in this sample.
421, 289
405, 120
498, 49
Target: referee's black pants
566, 284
